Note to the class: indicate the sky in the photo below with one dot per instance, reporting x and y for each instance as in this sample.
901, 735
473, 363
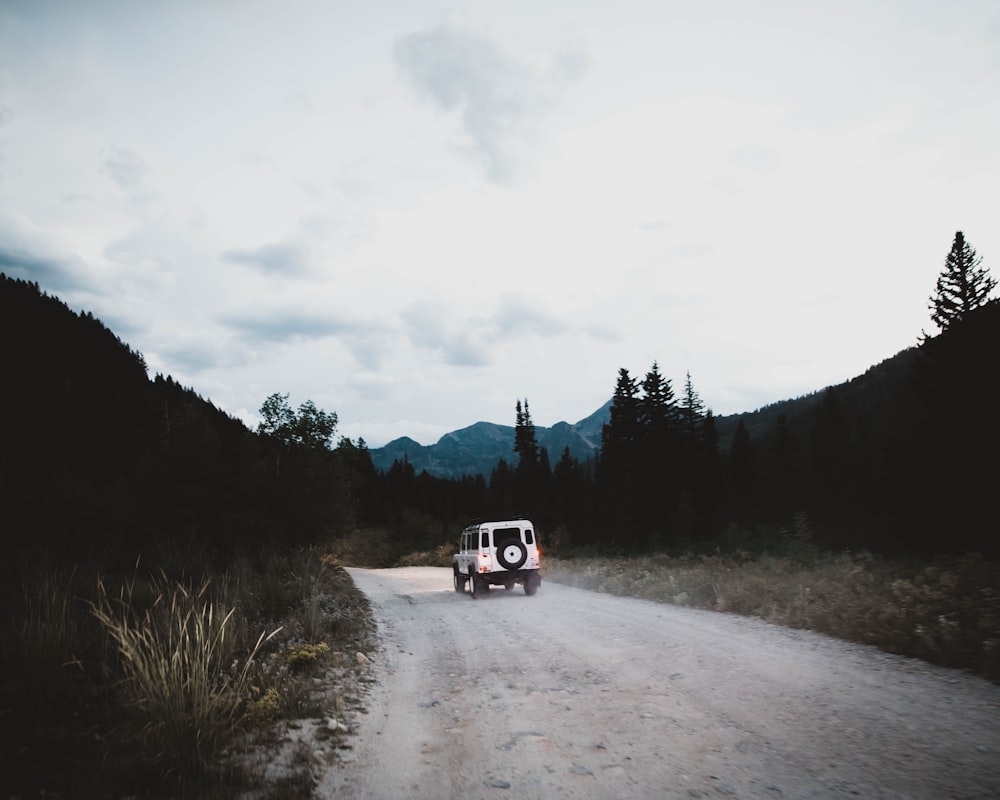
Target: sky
416, 213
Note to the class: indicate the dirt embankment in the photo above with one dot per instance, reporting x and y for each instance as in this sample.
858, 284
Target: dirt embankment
573, 694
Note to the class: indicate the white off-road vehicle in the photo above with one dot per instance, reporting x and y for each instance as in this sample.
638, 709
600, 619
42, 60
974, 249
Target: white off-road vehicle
497, 554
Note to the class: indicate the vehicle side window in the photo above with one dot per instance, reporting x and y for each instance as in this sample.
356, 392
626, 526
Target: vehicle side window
529, 537
485, 542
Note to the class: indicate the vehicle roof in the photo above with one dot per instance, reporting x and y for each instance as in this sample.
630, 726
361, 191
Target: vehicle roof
506, 523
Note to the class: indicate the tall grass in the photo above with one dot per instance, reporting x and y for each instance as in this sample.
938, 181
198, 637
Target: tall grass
107, 685
946, 612
182, 677
48, 635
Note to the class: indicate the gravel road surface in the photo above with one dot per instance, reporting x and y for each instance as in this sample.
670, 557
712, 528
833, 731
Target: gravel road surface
575, 694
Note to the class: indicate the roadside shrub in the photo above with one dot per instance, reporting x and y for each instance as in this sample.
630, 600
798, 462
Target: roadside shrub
109, 684
182, 678
303, 654
263, 707
440, 556
946, 612
370, 547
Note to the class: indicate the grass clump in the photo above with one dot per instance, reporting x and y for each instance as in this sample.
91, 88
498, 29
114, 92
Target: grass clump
183, 676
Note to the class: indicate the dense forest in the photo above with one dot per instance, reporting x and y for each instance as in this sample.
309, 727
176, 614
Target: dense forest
99, 462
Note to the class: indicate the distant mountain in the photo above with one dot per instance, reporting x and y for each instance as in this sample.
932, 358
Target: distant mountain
475, 450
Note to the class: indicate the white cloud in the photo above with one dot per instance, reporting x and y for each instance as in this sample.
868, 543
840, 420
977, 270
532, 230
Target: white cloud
129, 171
277, 258
493, 95
267, 198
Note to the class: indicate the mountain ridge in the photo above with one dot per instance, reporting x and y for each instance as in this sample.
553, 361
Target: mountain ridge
477, 448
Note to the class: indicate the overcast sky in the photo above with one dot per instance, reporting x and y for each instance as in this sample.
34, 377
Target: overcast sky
415, 213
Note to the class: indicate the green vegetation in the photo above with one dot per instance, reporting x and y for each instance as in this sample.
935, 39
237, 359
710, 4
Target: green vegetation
174, 658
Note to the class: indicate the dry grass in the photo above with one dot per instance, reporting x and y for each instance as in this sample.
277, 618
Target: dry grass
440, 556
946, 612
185, 677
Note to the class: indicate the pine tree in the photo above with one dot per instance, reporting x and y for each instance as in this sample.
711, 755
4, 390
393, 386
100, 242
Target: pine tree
525, 442
692, 412
530, 472
658, 458
617, 464
962, 286
623, 426
658, 407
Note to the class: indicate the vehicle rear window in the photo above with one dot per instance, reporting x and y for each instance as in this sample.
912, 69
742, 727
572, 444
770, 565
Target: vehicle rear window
503, 534
529, 537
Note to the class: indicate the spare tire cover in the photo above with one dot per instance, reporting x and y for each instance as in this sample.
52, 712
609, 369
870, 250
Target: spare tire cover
512, 554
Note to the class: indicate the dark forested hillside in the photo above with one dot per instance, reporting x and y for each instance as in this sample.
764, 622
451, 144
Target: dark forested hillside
96, 457
99, 461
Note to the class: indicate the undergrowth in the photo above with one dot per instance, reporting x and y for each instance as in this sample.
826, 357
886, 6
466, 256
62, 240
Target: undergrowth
161, 685
946, 612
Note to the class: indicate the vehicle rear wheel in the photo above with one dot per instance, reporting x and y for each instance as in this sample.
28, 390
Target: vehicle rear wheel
473, 585
531, 582
459, 581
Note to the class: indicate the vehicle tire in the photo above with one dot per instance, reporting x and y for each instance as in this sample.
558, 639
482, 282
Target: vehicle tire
512, 554
459, 581
531, 583
473, 585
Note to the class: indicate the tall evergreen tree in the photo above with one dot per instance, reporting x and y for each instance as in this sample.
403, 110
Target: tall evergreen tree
527, 472
693, 463
525, 441
962, 286
658, 456
617, 465
692, 412
658, 412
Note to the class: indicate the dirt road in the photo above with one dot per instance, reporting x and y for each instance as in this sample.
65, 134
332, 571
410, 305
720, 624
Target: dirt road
573, 694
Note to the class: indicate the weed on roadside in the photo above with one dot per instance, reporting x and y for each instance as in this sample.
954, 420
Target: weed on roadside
174, 686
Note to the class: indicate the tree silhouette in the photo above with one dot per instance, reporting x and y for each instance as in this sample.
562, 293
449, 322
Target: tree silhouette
616, 474
962, 286
525, 442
